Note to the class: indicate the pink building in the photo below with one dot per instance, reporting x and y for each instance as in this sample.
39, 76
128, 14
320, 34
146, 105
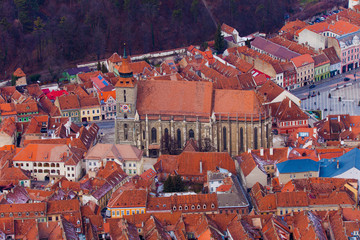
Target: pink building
349, 45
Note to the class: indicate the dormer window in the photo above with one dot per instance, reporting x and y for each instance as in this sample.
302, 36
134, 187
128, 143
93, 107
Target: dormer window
198, 206
180, 208
174, 208
212, 205
192, 207
204, 206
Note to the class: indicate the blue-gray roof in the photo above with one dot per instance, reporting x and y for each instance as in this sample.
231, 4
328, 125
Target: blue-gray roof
298, 165
347, 161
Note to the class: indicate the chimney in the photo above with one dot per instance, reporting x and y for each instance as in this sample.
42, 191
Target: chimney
339, 118
201, 166
289, 103
271, 151
261, 151
337, 164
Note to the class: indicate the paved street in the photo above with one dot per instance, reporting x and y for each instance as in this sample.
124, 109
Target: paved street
106, 132
348, 91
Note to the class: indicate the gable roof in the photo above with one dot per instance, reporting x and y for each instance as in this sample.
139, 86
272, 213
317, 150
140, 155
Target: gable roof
226, 102
332, 55
270, 90
302, 60
320, 60
174, 98
19, 73
274, 49
68, 102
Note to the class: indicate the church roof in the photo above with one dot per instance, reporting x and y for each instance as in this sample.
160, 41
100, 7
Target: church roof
174, 98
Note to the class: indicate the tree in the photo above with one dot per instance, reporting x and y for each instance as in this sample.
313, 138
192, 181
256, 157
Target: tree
168, 185
178, 184
174, 184
220, 44
103, 68
204, 46
13, 80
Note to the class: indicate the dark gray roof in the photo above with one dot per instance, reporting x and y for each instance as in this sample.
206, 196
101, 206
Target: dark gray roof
332, 56
273, 48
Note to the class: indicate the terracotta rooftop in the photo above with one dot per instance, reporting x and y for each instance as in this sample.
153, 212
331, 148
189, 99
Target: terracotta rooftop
339, 27
227, 28
293, 46
128, 199
19, 73
225, 103
320, 60
332, 55
115, 58
270, 90
302, 60
187, 98
67, 102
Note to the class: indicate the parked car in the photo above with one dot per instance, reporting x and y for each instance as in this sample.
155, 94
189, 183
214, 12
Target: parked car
346, 79
312, 86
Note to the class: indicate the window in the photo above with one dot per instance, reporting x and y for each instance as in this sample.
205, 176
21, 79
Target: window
180, 208
224, 139
127, 212
191, 133
192, 207
88, 112
178, 134
255, 138
186, 208
117, 213
153, 135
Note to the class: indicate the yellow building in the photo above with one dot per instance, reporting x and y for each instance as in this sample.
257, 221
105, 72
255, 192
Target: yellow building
127, 202
90, 109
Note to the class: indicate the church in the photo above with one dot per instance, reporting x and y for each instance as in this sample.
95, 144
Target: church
160, 116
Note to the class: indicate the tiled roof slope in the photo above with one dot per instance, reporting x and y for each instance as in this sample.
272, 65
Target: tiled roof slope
187, 98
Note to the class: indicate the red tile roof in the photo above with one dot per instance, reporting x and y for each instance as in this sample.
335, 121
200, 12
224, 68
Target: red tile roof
128, 199
302, 60
19, 73
225, 103
227, 28
187, 98
338, 27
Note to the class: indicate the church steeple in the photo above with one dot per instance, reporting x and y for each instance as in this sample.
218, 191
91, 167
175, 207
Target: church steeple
125, 56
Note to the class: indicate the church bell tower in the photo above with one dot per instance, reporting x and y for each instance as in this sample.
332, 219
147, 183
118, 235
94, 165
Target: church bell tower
126, 95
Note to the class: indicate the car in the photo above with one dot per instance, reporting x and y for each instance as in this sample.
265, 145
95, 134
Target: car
325, 109
275, 132
312, 86
346, 79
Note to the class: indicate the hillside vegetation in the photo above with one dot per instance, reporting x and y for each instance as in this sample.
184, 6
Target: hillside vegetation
46, 35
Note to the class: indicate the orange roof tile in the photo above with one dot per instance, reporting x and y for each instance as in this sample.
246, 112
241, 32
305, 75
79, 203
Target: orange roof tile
19, 73
187, 98
339, 27
115, 58
225, 103
302, 60
8, 126
128, 199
